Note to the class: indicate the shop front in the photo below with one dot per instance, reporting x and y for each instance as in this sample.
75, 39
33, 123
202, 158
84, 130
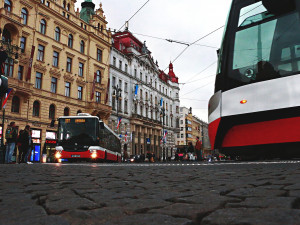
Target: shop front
36, 150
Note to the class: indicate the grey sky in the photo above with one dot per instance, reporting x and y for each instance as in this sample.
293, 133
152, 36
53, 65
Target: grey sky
177, 20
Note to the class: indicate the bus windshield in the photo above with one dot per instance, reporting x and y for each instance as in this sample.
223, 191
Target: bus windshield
77, 131
265, 46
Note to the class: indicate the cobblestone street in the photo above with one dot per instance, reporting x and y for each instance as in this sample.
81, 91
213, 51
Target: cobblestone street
219, 193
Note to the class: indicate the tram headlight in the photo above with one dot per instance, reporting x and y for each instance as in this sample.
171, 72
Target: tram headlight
58, 155
94, 155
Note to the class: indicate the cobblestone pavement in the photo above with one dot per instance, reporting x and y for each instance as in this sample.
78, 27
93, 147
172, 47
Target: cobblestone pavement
218, 193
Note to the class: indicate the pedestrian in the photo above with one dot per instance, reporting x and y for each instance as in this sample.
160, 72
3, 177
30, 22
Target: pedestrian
26, 143
198, 148
11, 138
19, 145
125, 157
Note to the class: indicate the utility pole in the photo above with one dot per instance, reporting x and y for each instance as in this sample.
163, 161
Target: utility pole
162, 114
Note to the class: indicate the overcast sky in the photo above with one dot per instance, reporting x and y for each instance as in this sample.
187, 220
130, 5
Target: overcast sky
180, 20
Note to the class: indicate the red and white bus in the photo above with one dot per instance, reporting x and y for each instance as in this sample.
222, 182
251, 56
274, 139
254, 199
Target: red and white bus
255, 110
86, 137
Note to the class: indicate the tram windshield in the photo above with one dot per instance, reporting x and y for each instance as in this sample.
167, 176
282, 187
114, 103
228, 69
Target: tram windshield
77, 131
265, 46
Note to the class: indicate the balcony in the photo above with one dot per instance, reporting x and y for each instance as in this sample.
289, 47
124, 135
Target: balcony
22, 87
10, 16
146, 120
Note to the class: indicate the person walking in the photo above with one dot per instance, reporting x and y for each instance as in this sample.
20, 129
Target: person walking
11, 138
198, 148
26, 143
19, 145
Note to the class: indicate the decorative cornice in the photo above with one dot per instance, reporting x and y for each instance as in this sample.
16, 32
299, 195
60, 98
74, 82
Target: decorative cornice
81, 59
24, 33
40, 67
57, 48
68, 77
26, 4
70, 54
66, 28
98, 66
100, 47
43, 15
42, 41
83, 37
80, 81
55, 72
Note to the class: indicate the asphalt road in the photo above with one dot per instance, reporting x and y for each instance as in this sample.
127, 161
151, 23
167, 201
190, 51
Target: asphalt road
164, 193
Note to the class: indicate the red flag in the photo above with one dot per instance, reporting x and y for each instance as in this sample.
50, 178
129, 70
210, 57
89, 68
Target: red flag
93, 87
30, 64
107, 91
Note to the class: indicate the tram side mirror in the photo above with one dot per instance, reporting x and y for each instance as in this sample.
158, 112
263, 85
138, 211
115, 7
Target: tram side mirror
101, 125
278, 7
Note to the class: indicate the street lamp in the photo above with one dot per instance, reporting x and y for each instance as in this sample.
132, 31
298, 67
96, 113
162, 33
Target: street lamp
118, 95
162, 114
9, 52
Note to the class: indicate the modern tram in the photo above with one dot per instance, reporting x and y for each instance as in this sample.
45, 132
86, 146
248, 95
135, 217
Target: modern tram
255, 111
85, 137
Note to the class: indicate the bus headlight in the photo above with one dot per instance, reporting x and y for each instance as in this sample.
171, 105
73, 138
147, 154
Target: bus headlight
58, 155
94, 155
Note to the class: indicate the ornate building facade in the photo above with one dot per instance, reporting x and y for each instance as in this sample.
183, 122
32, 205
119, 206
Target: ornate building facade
68, 51
148, 99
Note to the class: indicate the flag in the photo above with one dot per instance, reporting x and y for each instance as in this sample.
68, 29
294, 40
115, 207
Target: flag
30, 64
107, 91
119, 122
136, 91
126, 136
120, 136
161, 102
93, 87
6, 98
163, 139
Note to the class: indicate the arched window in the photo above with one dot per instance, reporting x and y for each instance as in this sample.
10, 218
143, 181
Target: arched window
15, 106
82, 46
70, 41
68, 7
66, 111
24, 15
101, 28
64, 4
57, 34
79, 111
98, 77
52, 112
8, 5
98, 26
6, 36
43, 26
36, 109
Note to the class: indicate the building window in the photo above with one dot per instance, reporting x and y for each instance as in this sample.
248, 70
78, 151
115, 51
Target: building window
48, 4
53, 84
141, 76
36, 109
141, 110
98, 76
81, 68
7, 5
80, 92
126, 68
41, 52
181, 135
8, 67
114, 61
67, 89
99, 55
126, 88
69, 65
38, 80
52, 112
146, 79
43, 26
20, 72
55, 58
82, 46
68, 7
135, 73
120, 65
135, 108
98, 97
64, 4
24, 15
57, 34
113, 103
15, 106
23, 44
70, 41
126, 106
66, 111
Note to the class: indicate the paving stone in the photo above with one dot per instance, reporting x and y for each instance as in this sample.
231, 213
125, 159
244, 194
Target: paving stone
252, 216
262, 202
